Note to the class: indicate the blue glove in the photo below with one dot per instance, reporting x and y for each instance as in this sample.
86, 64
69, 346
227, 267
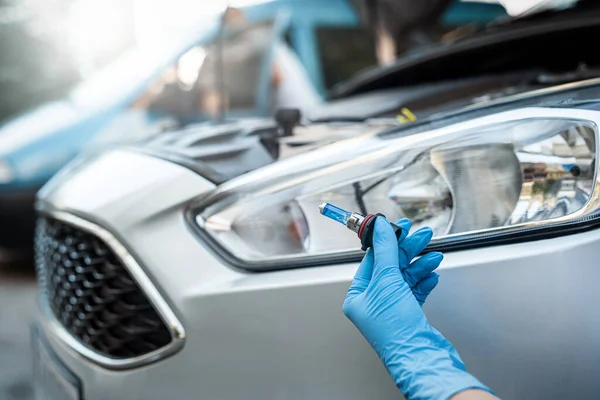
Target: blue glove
384, 303
419, 274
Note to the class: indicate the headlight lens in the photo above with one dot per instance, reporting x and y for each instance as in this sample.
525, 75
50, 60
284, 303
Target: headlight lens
496, 175
6, 173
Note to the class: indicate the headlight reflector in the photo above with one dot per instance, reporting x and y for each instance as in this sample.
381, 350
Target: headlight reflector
503, 173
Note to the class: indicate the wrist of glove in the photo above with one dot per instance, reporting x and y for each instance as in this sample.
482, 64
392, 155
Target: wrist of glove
384, 303
428, 367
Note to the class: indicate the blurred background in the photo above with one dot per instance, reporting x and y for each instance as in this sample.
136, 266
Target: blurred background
50, 46
77, 75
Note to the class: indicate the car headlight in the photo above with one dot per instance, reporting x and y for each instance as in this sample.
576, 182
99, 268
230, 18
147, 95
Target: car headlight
494, 178
6, 173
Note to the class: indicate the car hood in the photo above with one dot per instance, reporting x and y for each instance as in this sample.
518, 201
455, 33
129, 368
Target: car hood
221, 152
224, 151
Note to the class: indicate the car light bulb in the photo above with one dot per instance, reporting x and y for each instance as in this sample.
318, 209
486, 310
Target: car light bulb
335, 213
363, 226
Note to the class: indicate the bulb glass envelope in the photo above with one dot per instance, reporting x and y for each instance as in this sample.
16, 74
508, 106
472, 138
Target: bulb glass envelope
496, 175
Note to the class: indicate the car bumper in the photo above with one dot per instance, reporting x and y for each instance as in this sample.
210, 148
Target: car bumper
522, 316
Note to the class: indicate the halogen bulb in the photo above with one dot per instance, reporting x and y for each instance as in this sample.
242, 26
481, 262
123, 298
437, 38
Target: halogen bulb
335, 213
357, 223
352, 220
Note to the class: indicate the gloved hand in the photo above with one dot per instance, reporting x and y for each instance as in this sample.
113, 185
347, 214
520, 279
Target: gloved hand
387, 311
419, 274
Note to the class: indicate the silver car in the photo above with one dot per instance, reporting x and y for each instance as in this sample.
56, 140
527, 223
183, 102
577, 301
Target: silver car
196, 265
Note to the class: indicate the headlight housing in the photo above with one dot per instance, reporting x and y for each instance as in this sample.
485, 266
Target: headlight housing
481, 181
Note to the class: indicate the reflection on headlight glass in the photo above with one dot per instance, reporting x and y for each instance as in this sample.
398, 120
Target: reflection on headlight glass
498, 176
558, 176
279, 230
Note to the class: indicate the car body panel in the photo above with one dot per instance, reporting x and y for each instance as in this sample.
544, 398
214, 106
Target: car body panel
282, 334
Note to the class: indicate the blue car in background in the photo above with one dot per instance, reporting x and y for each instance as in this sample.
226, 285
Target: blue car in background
269, 55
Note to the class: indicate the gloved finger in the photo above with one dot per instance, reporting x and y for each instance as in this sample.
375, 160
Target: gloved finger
423, 288
414, 245
420, 268
363, 275
405, 224
385, 248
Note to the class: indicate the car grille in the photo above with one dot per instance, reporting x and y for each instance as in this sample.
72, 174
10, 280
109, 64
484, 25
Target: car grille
93, 295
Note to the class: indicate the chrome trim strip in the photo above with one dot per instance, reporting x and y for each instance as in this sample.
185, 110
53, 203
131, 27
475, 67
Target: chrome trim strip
169, 318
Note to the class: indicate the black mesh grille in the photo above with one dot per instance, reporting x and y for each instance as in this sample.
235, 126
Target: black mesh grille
92, 294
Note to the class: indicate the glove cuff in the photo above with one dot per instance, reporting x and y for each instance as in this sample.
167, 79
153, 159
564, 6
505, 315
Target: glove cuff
442, 386
429, 368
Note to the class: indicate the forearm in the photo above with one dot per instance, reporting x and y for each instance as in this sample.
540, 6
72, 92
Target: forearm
474, 394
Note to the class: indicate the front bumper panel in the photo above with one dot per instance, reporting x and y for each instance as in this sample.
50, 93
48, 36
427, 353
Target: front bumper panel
522, 316
52, 379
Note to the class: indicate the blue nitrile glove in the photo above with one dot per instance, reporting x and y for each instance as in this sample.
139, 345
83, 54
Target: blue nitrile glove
419, 274
384, 308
